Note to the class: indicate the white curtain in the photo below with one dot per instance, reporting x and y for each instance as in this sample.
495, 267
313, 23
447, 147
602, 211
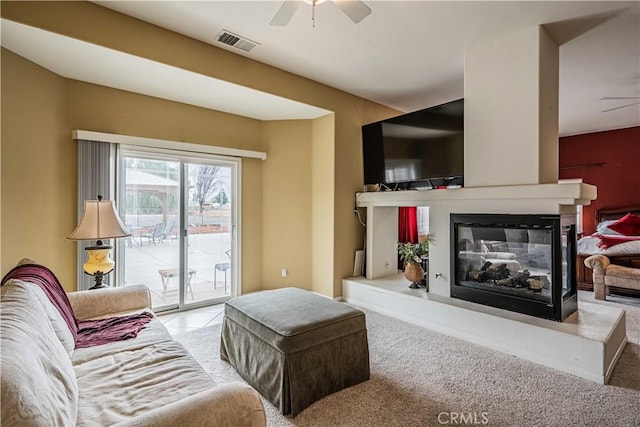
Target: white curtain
423, 220
96, 176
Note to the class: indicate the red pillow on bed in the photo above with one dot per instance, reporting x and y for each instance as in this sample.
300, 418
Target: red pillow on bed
629, 225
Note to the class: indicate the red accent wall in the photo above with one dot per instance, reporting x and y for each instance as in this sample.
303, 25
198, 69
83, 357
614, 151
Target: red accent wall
609, 160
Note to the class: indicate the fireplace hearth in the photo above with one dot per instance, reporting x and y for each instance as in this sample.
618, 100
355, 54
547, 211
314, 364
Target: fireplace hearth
521, 263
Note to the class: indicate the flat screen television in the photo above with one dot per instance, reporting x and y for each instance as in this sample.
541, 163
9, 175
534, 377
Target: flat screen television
423, 149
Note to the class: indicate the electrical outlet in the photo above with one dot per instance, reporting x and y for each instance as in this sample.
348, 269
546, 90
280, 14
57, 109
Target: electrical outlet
386, 265
284, 272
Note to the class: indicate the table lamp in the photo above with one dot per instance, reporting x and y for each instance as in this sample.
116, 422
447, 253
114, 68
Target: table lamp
99, 221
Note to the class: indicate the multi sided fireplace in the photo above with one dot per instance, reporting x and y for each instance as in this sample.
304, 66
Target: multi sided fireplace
522, 263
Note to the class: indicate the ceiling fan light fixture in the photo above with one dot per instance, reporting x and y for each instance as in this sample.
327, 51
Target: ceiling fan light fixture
356, 10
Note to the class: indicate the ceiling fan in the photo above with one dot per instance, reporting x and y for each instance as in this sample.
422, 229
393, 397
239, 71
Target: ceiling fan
354, 9
611, 98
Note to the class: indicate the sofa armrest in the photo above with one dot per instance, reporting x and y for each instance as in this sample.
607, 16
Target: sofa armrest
598, 263
107, 301
232, 404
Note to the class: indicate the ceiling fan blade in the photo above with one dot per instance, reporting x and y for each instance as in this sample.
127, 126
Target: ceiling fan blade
356, 10
606, 98
285, 13
622, 106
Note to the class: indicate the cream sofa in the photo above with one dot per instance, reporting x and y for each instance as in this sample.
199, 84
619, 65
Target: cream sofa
606, 274
150, 380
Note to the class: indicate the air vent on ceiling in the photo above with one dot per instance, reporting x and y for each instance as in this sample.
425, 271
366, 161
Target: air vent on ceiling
236, 41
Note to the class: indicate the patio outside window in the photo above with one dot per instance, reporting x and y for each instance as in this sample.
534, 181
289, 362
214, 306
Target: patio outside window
180, 211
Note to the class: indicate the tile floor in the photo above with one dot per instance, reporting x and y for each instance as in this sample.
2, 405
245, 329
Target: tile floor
183, 321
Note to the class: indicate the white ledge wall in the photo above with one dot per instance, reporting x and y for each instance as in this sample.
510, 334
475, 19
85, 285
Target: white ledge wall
587, 344
382, 219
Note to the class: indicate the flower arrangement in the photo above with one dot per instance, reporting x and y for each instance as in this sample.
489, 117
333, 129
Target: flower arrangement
411, 252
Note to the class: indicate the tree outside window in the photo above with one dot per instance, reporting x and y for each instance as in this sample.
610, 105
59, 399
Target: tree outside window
207, 181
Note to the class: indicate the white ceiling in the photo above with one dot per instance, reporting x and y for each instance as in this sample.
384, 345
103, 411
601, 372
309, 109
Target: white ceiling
75, 59
407, 54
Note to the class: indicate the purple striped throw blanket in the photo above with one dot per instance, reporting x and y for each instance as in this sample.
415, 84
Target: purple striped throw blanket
86, 333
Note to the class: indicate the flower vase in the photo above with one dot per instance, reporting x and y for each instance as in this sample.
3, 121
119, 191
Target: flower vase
414, 273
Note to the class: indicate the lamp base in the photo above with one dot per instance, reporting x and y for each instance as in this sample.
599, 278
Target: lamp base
99, 276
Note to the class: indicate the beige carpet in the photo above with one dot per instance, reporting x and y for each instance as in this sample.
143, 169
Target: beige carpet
420, 377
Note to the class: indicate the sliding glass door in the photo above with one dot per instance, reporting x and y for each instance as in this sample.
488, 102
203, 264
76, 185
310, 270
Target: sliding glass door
182, 212
151, 209
209, 228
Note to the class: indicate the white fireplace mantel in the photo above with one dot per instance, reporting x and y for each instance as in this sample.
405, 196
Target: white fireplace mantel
382, 218
566, 193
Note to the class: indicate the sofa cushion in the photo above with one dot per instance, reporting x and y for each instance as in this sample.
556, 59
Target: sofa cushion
49, 283
624, 277
39, 386
153, 333
58, 324
127, 384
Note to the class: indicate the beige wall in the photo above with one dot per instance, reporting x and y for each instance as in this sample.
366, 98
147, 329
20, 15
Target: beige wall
333, 225
39, 167
39, 111
102, 109
323, 250
286, 199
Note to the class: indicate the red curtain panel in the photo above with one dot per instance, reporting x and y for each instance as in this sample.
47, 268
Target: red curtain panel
408, 225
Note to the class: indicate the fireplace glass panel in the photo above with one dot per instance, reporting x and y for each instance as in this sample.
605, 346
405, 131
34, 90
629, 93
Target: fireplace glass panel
511, 261
567, 231
521, 263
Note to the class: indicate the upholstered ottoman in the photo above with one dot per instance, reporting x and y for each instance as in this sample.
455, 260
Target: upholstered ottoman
294, 346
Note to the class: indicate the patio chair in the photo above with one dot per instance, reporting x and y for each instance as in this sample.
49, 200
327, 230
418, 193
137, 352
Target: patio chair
155, 235
169, 231
222, 266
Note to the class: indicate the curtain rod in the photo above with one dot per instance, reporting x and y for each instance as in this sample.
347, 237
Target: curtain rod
163, 143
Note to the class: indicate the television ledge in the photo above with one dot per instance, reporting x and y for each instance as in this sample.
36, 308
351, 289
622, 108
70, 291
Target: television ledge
564, 193
587, 344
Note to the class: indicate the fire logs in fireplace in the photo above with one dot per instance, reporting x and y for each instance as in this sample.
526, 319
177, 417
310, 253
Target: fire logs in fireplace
499, 275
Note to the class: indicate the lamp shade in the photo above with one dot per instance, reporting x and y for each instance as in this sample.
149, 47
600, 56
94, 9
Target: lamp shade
99, 221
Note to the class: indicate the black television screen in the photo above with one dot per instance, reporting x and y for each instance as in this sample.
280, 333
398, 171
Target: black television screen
420, 149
